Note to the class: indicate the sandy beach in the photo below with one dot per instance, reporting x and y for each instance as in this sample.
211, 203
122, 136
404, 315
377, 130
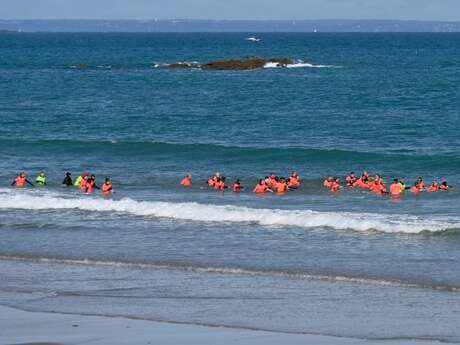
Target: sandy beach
35, 328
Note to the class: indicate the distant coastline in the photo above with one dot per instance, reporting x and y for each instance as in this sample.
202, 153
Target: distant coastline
191, 25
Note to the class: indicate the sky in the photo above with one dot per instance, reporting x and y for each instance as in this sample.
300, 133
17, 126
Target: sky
438, 10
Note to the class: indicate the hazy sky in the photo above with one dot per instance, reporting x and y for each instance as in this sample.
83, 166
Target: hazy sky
231, 9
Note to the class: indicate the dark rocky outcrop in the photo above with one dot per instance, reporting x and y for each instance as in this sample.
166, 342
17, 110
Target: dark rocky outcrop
232, 64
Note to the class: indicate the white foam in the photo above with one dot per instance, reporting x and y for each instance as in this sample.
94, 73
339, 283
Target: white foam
30, 200
298, 64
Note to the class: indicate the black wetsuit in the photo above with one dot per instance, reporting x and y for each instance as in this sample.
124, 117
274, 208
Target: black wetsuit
67, 181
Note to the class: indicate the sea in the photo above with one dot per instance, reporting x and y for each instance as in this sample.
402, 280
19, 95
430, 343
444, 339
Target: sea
347, 264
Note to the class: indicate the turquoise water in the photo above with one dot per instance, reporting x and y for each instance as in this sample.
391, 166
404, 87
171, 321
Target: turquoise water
386, 103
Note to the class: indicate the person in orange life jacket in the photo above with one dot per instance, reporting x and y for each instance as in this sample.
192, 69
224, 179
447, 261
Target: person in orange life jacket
444, 186
351, 179
220, 183
83, 181
107, 187
416, 188
378, 187
267, 181
237, 187
395, 188
335, 186
293, 181
186, 181
211, 181
420, 183
282, 186
261, 187
434, 187
21, 180
90, 184
362, 183
328, 182
272, 181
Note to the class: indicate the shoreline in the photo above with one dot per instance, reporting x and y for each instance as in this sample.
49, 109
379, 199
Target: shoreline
21, 327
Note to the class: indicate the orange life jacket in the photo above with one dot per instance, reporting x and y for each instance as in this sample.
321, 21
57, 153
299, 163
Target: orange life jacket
20, 181
335, 186
377, 188
211, 182
186, 182
281, 188
395, 189
327, 183
236, 188
442, 187
260, 188
83, 183
350, 181
89, 186
107, 188
432, 189
219, 185
360, 184
415, 189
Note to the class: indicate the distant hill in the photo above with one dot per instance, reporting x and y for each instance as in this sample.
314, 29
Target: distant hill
188, 25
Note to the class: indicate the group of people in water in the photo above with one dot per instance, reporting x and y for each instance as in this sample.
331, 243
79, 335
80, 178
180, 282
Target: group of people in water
85, 182
272, 183
281, 185
376, 185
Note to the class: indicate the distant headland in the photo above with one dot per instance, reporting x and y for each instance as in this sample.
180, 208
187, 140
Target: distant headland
190, 25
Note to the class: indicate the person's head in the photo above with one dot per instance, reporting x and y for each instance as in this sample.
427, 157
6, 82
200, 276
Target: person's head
22, 174
352, 173
237, 181
277, 179
107, 180
395, 180
261, 181
93, 177
444, 183
217, 174
42, 173
67, 174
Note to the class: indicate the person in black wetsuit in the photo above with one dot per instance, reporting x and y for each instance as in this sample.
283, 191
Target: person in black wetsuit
67, 180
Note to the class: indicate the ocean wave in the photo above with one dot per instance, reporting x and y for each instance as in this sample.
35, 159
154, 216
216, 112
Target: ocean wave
192, 211
234, 271
268, 152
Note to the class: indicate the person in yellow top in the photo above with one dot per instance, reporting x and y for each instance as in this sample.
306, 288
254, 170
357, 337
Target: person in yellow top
41, 179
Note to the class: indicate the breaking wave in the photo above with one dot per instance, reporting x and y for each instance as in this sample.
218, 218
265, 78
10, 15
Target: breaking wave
192, 211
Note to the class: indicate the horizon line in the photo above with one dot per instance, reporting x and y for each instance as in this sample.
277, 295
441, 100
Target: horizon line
238, 20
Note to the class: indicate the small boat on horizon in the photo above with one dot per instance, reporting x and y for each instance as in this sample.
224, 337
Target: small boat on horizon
253, 39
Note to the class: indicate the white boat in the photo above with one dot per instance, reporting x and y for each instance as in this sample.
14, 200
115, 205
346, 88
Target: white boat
253, 39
